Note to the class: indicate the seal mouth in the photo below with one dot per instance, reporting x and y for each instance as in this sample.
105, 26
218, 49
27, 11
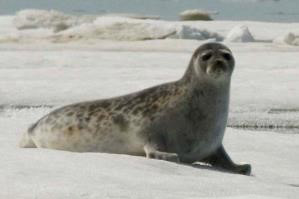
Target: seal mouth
217, 68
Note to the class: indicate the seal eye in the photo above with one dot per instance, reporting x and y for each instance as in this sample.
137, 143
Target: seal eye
206, 57
227, 56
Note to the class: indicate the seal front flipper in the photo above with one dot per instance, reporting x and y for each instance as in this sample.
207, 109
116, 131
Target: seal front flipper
220, 159
152, 153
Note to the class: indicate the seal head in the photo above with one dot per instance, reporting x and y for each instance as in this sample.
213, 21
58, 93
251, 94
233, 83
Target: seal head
213, 60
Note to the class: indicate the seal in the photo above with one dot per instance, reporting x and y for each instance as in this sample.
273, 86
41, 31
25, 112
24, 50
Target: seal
181, 121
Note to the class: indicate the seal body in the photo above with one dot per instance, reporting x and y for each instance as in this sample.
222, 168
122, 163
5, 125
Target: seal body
182, 121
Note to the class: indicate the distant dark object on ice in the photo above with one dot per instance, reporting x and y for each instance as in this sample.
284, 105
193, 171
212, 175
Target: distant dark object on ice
194, 15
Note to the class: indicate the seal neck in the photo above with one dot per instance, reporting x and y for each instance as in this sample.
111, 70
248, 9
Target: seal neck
195, 84
188, 76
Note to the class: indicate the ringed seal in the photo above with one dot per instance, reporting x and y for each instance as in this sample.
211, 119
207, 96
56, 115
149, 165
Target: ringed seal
181, 121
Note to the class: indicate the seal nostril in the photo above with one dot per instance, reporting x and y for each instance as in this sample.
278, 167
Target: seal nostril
219, 63
227, 56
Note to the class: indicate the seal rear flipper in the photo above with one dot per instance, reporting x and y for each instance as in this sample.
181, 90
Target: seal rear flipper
220, 159
26, 141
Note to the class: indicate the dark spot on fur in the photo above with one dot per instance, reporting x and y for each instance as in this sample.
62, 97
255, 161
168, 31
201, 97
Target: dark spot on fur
118, 107
163, 93
92, 107
87, 119
82, 108
79, 115
202, 93
70, 113
154, 107
100, 118
137, 110
126, 109
105, 104
146, 112
150, 110
151, 118
121, 122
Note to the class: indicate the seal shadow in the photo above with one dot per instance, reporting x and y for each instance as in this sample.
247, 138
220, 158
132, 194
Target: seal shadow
204, 166
293, 185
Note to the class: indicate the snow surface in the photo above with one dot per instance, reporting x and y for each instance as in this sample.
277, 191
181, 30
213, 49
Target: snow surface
38, 75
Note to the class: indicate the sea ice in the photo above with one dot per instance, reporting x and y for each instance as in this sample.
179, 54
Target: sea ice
116, 28
189, 32
239, 34
60, 27
288, 38
52, 19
